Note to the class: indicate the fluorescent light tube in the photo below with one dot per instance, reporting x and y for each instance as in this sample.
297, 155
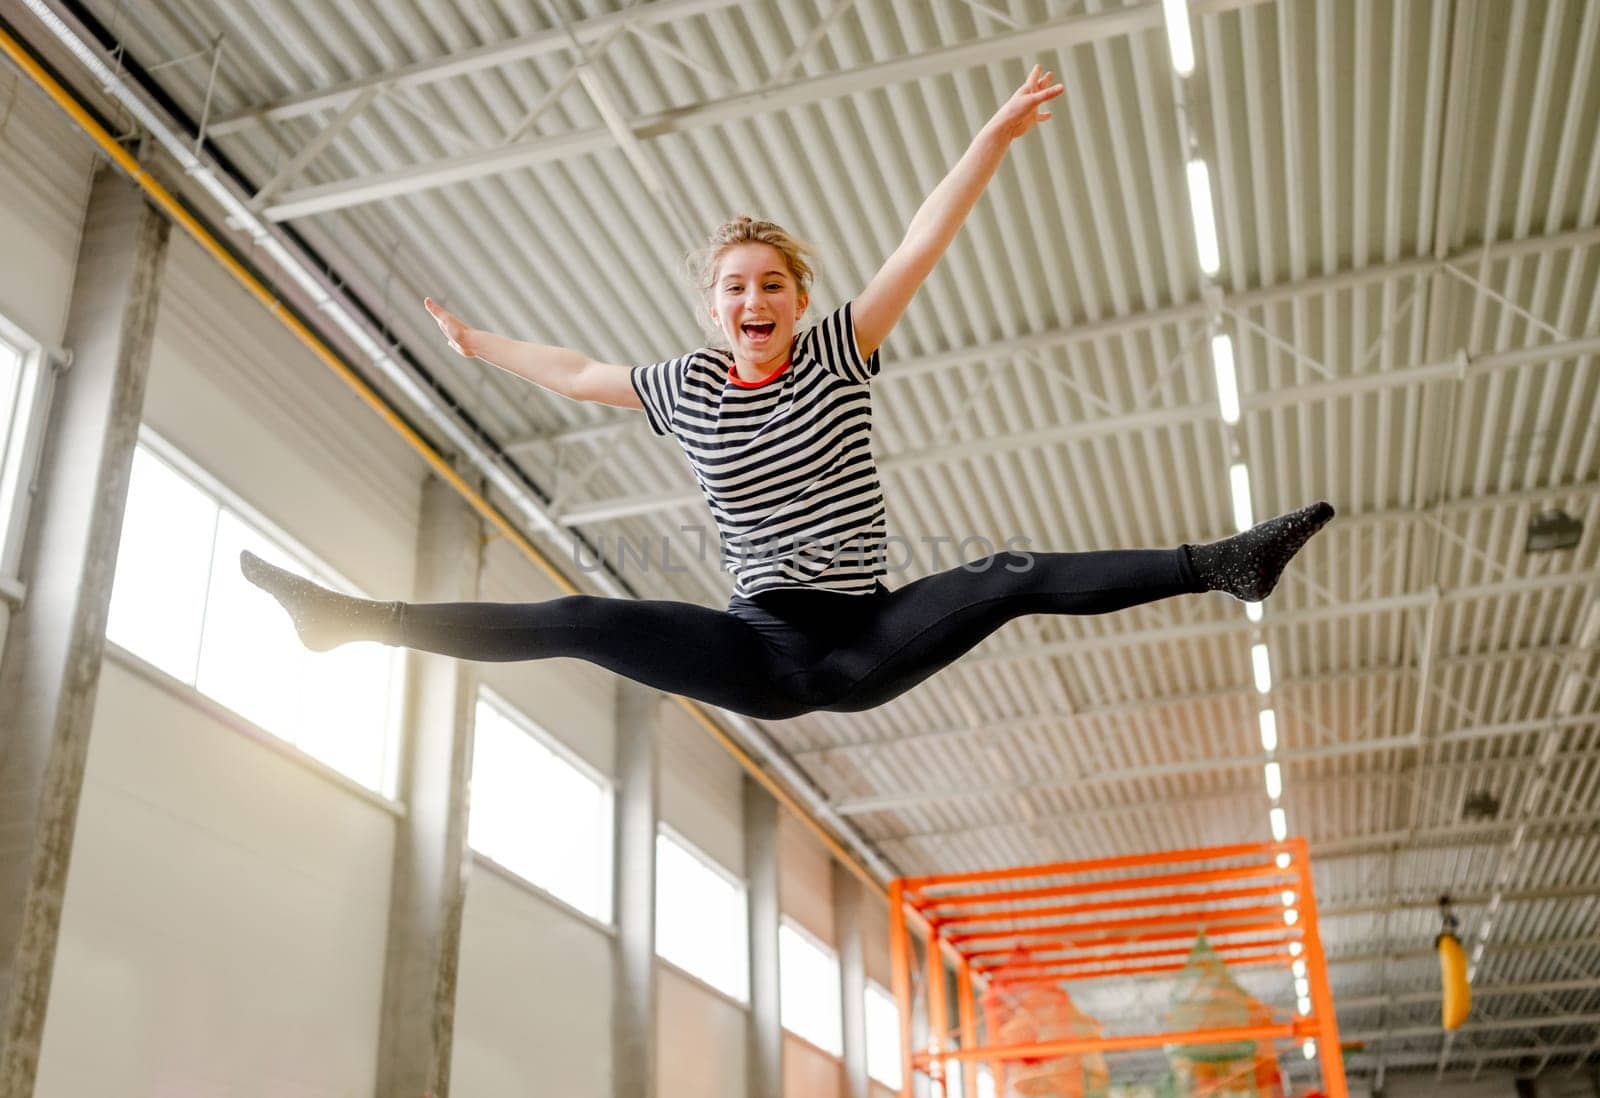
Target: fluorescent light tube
1227, 377
1205, 223
1179, 38
1261, 664
1239, 482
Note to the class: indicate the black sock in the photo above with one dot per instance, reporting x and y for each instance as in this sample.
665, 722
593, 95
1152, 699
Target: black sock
1248, 565
324, 619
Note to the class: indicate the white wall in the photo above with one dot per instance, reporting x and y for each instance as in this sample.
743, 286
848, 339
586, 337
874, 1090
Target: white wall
533, 999
573, 701
225, 915
702, 787
808, 1072
805, 879
700, 1040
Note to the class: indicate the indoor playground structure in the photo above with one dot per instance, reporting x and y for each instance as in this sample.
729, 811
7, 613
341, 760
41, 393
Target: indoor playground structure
1207, 963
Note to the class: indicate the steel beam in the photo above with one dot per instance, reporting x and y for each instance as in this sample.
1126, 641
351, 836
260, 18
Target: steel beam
892, 801
1287, 620
1208, 765
1547, 987
1500, 1025
1430, 902
1246, 692
1355, 846
1062, 33
1549, 945
1199, 414
1423, 1059
1009, 350
465, 62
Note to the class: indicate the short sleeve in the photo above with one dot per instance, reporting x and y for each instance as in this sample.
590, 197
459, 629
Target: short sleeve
659, 387
833, 343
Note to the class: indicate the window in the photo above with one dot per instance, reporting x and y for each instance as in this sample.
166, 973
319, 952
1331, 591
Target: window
538, 811
957, 1079
180, 603
808, 982
883, 1037
23, 393
700, 917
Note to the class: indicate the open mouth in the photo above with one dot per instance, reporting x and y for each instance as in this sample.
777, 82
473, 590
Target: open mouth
758, 331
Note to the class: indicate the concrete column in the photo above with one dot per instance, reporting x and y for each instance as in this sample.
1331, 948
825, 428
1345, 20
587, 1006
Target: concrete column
764, 1050
431, 859
634, 1004
55, 640
847, 922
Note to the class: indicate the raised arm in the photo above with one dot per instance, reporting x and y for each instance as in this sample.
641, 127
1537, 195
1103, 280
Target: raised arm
571, 374
877, 308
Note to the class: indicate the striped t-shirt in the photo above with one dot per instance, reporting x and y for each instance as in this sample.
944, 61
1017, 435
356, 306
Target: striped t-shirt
785, 463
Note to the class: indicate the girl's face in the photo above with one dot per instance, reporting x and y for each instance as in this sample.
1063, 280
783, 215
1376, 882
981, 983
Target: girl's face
756, 303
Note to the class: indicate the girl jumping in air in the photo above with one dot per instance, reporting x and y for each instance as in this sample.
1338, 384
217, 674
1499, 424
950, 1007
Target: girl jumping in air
777, 428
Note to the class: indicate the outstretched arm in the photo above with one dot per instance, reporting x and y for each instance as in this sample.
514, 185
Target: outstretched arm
569, 373
877, 308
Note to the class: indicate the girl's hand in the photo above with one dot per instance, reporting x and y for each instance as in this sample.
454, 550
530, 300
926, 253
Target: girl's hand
1022, 111
456, 333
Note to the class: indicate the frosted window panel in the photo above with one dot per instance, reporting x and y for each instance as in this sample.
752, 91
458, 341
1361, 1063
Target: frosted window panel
809, 989
883, 1037
11, 432
956, 1081
10, 382
538, 815
700, 919
163, 567
332, 705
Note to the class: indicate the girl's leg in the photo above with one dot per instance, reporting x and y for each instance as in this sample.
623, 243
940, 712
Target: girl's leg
928, 624
677, 647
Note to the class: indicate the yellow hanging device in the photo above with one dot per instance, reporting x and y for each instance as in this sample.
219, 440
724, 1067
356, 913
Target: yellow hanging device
1452, 970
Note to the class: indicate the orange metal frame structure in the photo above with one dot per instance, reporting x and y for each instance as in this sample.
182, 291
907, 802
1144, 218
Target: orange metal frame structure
1100, 935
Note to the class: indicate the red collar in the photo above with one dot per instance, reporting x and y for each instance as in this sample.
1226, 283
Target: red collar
733, 375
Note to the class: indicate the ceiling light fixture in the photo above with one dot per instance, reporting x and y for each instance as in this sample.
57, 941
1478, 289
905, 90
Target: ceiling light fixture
1180, 41
1227, 379
1239, 481
1205, 222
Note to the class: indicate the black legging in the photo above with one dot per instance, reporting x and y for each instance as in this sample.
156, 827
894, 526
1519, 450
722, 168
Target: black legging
791, 651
